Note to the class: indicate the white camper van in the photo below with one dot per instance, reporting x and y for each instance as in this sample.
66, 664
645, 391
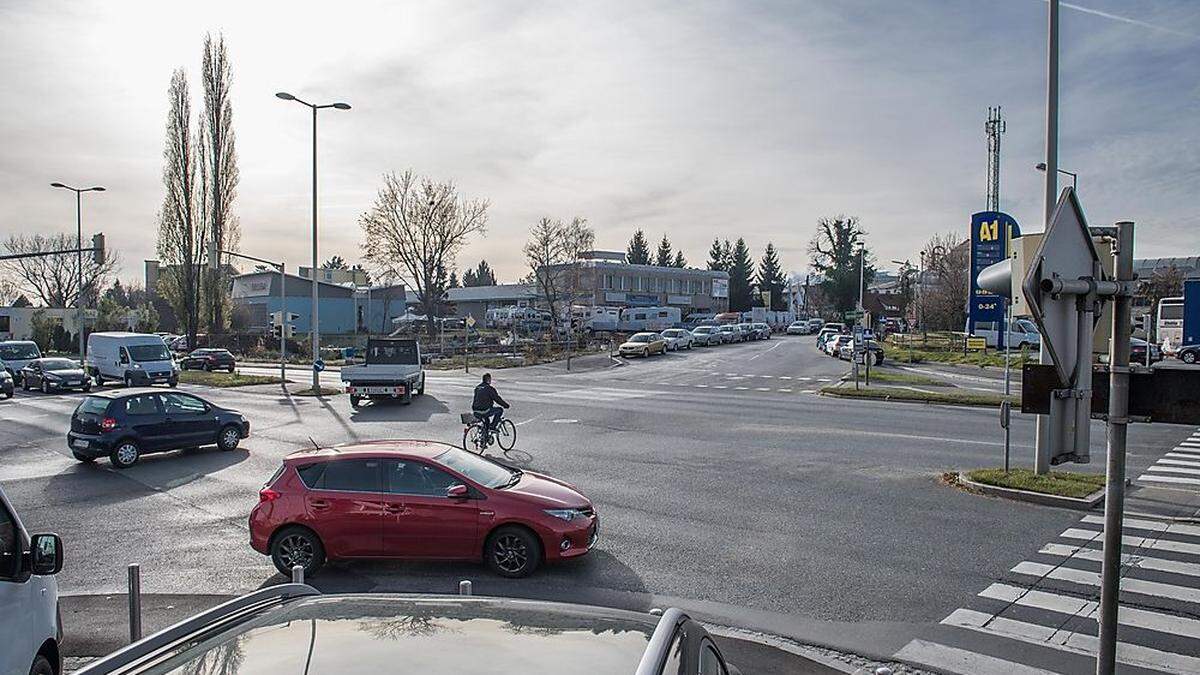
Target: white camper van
655, 319
133, 358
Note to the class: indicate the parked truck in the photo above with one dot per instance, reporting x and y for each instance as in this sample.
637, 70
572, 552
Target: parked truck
392, 372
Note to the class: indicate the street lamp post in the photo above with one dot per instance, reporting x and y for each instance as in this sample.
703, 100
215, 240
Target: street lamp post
861, 278
79, 256
1041, 166
315, 325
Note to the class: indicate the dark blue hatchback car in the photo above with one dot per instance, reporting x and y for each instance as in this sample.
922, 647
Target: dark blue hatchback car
126, 424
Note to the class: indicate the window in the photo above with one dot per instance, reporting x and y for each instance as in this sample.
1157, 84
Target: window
183, 404
710, 660
404, 477
141, 405
674, 662
10, 545
93, 405
154, 352
346, 475
479, 469
5, 327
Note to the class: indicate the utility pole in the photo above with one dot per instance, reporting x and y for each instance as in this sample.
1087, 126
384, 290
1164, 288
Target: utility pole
79, 258
993, 128
1043, 450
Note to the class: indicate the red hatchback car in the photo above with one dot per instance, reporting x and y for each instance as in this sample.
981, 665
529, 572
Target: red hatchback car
416, 500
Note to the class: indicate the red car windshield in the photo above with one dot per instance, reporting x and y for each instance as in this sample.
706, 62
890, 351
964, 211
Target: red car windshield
481, 470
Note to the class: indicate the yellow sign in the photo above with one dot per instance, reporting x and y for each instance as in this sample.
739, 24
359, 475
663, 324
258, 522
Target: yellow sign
976, 344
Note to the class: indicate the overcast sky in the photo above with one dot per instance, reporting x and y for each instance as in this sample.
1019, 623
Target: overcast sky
691, 119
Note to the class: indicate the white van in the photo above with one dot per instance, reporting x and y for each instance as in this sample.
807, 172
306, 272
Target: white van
133, 358
16, 354
1022, 333
28, 597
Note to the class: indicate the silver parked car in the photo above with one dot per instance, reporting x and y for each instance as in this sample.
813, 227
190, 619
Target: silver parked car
677, 338
707, 336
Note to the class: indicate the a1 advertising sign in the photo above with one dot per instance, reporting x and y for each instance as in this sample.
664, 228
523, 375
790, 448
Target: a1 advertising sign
991, 232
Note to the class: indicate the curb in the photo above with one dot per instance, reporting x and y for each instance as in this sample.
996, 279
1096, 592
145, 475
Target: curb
898, 399
1079, 504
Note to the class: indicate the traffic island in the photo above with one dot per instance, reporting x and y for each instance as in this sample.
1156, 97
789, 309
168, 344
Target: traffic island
210, 379
1067, 489
320, 391
942, 396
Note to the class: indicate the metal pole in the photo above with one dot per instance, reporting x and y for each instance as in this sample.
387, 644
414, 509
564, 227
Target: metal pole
1043, 442
464, 587
283, 322
297, 574
1007, 333
79, 264
1118, 421
861, 250
316, 326
135, 602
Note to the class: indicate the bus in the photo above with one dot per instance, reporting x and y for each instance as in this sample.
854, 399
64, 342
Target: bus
1169, 324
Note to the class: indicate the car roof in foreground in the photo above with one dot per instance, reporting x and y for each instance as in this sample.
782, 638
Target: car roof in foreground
425, 634
380, 448
126, 392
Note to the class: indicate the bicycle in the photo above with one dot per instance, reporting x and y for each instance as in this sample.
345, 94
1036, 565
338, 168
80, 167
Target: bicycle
477, 437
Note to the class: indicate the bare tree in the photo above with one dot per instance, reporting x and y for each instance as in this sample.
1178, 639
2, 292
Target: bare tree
54, 279
416, 229
552, 249
1163, 282
218, 172
181, 231
944, 287
9, 292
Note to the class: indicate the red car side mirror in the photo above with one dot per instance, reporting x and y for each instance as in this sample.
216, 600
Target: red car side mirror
457, 491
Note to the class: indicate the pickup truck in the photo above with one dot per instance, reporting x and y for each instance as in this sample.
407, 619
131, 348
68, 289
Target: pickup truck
392, 372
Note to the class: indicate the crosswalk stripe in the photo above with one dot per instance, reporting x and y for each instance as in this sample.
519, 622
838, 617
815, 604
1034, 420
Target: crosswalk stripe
785, 377
701, 386
1152, 525
1178, 462
1138, 561
955, 660
1136, 542
1175, 469
1168, 479
742, 388
1183, 455
1087, 609
762, 389
1093, 579
786, 391
1079, 643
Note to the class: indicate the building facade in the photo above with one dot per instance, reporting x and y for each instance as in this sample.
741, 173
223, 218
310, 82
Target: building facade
355, 277
619, 284
342, 309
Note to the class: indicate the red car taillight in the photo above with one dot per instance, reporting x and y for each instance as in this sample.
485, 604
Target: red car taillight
268, 495
108, 424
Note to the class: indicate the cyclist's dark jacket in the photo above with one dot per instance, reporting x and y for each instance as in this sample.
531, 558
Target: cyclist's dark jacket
485, 397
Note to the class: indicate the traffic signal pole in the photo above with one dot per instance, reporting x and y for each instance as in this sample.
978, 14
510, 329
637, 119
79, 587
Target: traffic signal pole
1044, 445
1118, 427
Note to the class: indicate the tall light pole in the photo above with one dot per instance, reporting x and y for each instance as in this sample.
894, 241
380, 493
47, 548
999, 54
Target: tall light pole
861, 278
79, 256
1041, 166
315, 325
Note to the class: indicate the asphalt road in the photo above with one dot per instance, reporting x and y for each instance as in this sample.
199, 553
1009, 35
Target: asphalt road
722, 480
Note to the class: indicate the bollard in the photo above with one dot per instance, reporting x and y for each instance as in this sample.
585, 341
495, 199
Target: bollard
464, 587
135, 603
883, 670
297, 574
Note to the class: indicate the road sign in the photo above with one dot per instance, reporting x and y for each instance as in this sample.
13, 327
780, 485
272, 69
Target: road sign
991, 232
470, 321
318, 365
1066, 252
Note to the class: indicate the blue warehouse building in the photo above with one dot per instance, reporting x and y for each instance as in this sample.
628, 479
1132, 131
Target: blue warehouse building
341, 309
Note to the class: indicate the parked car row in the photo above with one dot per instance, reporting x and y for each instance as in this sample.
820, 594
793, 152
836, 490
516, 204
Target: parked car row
707, 335
839, 344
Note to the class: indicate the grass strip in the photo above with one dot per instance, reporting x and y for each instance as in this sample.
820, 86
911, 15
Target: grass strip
1059, 483
322, 391
898, 377
224, 379
955, 397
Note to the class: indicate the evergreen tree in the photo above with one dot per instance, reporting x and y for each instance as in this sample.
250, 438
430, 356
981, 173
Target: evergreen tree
680, 261
453, 280
638, 252
770, 278
834, 251
663, 257
482, 275
726, 255
741, 274
716, 257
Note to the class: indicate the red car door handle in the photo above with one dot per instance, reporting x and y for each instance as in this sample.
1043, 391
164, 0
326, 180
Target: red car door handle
318, 504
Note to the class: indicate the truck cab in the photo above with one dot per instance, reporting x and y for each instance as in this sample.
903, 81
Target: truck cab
392, 372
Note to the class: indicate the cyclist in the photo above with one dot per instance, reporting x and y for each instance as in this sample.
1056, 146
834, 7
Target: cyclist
487, 404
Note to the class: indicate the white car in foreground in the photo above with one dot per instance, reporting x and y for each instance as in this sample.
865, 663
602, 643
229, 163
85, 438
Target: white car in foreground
678, 338
28, 597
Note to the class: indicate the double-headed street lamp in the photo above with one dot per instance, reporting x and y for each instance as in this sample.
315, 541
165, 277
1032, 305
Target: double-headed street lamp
315, 326
79, 255
1041, 166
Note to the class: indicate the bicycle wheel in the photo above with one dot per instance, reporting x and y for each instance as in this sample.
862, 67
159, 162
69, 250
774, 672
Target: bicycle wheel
473, 439
506, 434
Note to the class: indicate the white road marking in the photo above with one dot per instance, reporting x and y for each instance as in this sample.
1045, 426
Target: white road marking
1168, 479
1078, 643
786, 391
766, 376
762, 389
1065, 604
1175, 469
809, 391
719, 386
741, 388
1138, 561
701, 386
1177, 462
1136, 542
766, 351
1183, 454
1152, 525
785, 377
1087, 578
954, 660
